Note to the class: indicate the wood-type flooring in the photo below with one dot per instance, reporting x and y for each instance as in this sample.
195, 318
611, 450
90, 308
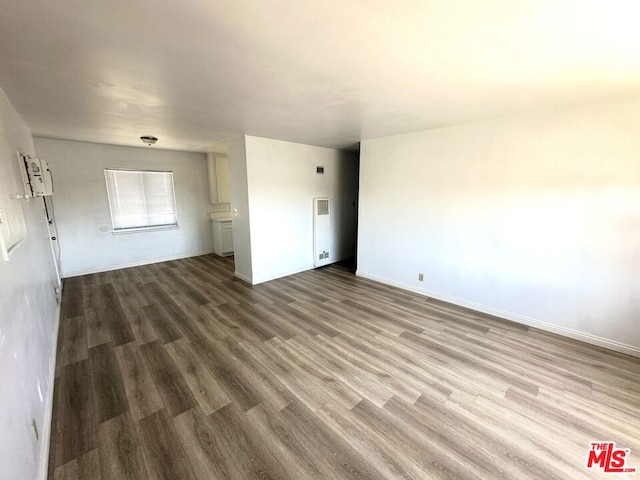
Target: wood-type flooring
179, 371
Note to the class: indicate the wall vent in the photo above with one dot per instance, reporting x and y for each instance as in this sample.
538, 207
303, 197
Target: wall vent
321, 231
323, 207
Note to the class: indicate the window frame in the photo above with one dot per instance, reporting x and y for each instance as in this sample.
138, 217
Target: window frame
141, 228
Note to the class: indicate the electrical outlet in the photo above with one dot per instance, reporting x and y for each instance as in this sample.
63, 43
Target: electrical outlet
420, 277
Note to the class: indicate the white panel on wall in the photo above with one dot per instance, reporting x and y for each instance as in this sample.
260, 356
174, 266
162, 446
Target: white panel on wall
12, 224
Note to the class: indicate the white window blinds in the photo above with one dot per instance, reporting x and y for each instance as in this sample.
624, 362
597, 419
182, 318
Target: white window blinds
141, 199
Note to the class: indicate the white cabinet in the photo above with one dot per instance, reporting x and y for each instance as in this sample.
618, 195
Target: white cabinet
222, 178
227, 238
222, 237
218, 170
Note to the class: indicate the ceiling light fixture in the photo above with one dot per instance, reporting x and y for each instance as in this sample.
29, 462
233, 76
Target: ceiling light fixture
149, 139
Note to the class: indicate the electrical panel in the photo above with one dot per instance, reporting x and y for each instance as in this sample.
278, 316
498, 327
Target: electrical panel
38, 181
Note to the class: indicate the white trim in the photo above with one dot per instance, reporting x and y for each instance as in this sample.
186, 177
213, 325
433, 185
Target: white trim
154, 228
514, 317
45, 435
108, 268
7, 253
304, 268
283, 274
243, 277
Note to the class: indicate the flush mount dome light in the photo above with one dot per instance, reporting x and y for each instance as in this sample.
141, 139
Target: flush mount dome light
149, 139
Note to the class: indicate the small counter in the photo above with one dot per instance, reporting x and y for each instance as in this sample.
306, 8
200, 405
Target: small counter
220, 217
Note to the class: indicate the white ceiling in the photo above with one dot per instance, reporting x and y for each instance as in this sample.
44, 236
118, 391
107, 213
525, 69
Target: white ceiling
330, 73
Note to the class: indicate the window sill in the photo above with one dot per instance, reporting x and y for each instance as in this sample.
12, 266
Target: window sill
126, 231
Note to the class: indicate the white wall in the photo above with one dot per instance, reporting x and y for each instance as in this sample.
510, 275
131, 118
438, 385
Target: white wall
239, 191
28, 319
82, 208
281, 184
534, 218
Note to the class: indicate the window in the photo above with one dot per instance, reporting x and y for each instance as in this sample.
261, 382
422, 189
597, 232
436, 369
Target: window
141, 199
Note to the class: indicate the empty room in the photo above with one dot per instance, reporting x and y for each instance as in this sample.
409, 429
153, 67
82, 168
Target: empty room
319, 240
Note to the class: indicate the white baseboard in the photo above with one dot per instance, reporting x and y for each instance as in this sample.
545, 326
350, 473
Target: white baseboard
293, 271
45, 428
243, 277
514, 317
108, 268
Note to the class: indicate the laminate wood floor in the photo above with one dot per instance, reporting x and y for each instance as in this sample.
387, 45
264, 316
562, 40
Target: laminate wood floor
179, 371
